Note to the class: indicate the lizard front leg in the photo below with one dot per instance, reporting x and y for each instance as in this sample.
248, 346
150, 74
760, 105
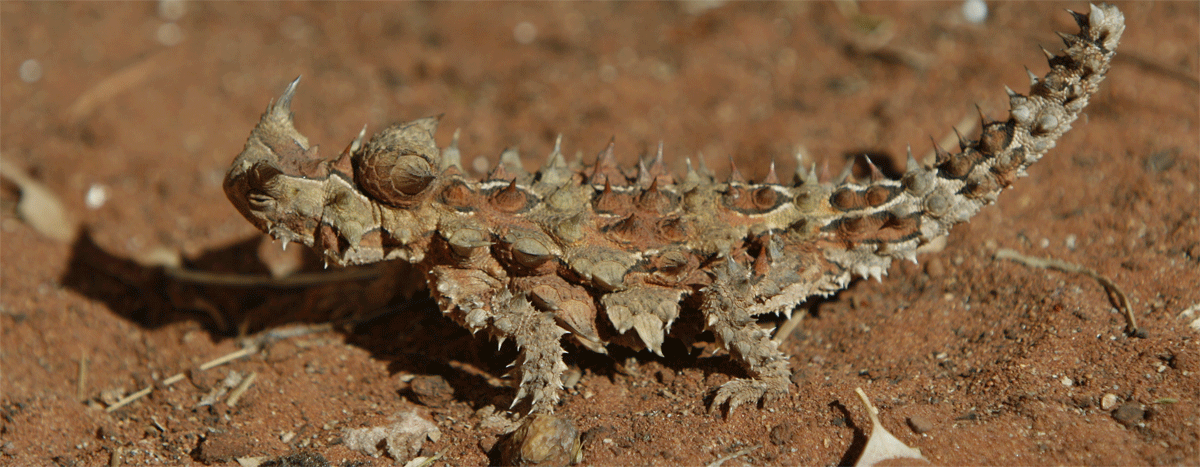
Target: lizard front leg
726, 307
539, 338
482, 301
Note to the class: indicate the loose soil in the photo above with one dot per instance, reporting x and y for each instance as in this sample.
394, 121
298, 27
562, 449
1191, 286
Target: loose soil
991, 361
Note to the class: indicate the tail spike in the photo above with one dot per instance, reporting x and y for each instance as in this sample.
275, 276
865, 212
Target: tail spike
876, 174
606, 159
451, 156
1068, 39
963, 144
658, 169
285, 100
357, 143
555, 159
942, 155
983, 119
606, 166
690, 176
656, 166
1033, 79
1049, 55
735, 175
1080, 19
772, 178
911, 164
800, 172
653, 189
643, 174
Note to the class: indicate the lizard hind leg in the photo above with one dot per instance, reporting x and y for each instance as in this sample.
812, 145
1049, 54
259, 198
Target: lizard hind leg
726, 306
539, 339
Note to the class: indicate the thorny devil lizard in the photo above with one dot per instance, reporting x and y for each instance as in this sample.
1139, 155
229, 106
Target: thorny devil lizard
614, 256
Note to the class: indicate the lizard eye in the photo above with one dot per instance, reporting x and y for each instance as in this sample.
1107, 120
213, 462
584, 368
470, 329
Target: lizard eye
260, 201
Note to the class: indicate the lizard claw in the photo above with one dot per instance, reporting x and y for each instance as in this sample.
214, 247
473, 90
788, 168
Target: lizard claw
742, 391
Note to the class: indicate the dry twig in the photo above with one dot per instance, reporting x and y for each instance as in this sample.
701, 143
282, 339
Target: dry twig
236, 394
718, 462
1115, 293
179, 377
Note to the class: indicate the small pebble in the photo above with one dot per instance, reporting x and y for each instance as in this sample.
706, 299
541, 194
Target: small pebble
1108, 401
96, 196
431, 390
1129, 414
571, 377
919, 424
975, 11
31, 71
783, 434
542, 440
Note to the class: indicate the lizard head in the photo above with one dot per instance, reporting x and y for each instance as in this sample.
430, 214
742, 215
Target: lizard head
282, 186
267, 181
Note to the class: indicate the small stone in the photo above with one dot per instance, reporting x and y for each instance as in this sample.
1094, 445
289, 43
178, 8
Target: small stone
542, 440
30, 71
783, 434
1108, 401
1129, 414
1194, 251
432, 390
571, 377
919, 424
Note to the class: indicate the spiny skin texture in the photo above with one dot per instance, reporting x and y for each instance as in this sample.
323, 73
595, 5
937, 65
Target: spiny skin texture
614, 256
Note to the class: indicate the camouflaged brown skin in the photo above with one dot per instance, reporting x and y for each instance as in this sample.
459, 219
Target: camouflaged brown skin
611, 255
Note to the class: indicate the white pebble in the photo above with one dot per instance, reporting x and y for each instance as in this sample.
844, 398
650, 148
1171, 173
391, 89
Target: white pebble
1071, 242
975, 11
96, 196
31, 71
525, 32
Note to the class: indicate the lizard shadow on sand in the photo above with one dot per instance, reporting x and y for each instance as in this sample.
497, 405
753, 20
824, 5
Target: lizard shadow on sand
229, 291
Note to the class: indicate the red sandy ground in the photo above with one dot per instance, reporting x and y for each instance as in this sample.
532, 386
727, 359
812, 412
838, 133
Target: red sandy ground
1004, 364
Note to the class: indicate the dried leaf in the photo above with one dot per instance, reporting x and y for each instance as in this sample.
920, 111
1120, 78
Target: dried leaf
882, 446
39, 207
